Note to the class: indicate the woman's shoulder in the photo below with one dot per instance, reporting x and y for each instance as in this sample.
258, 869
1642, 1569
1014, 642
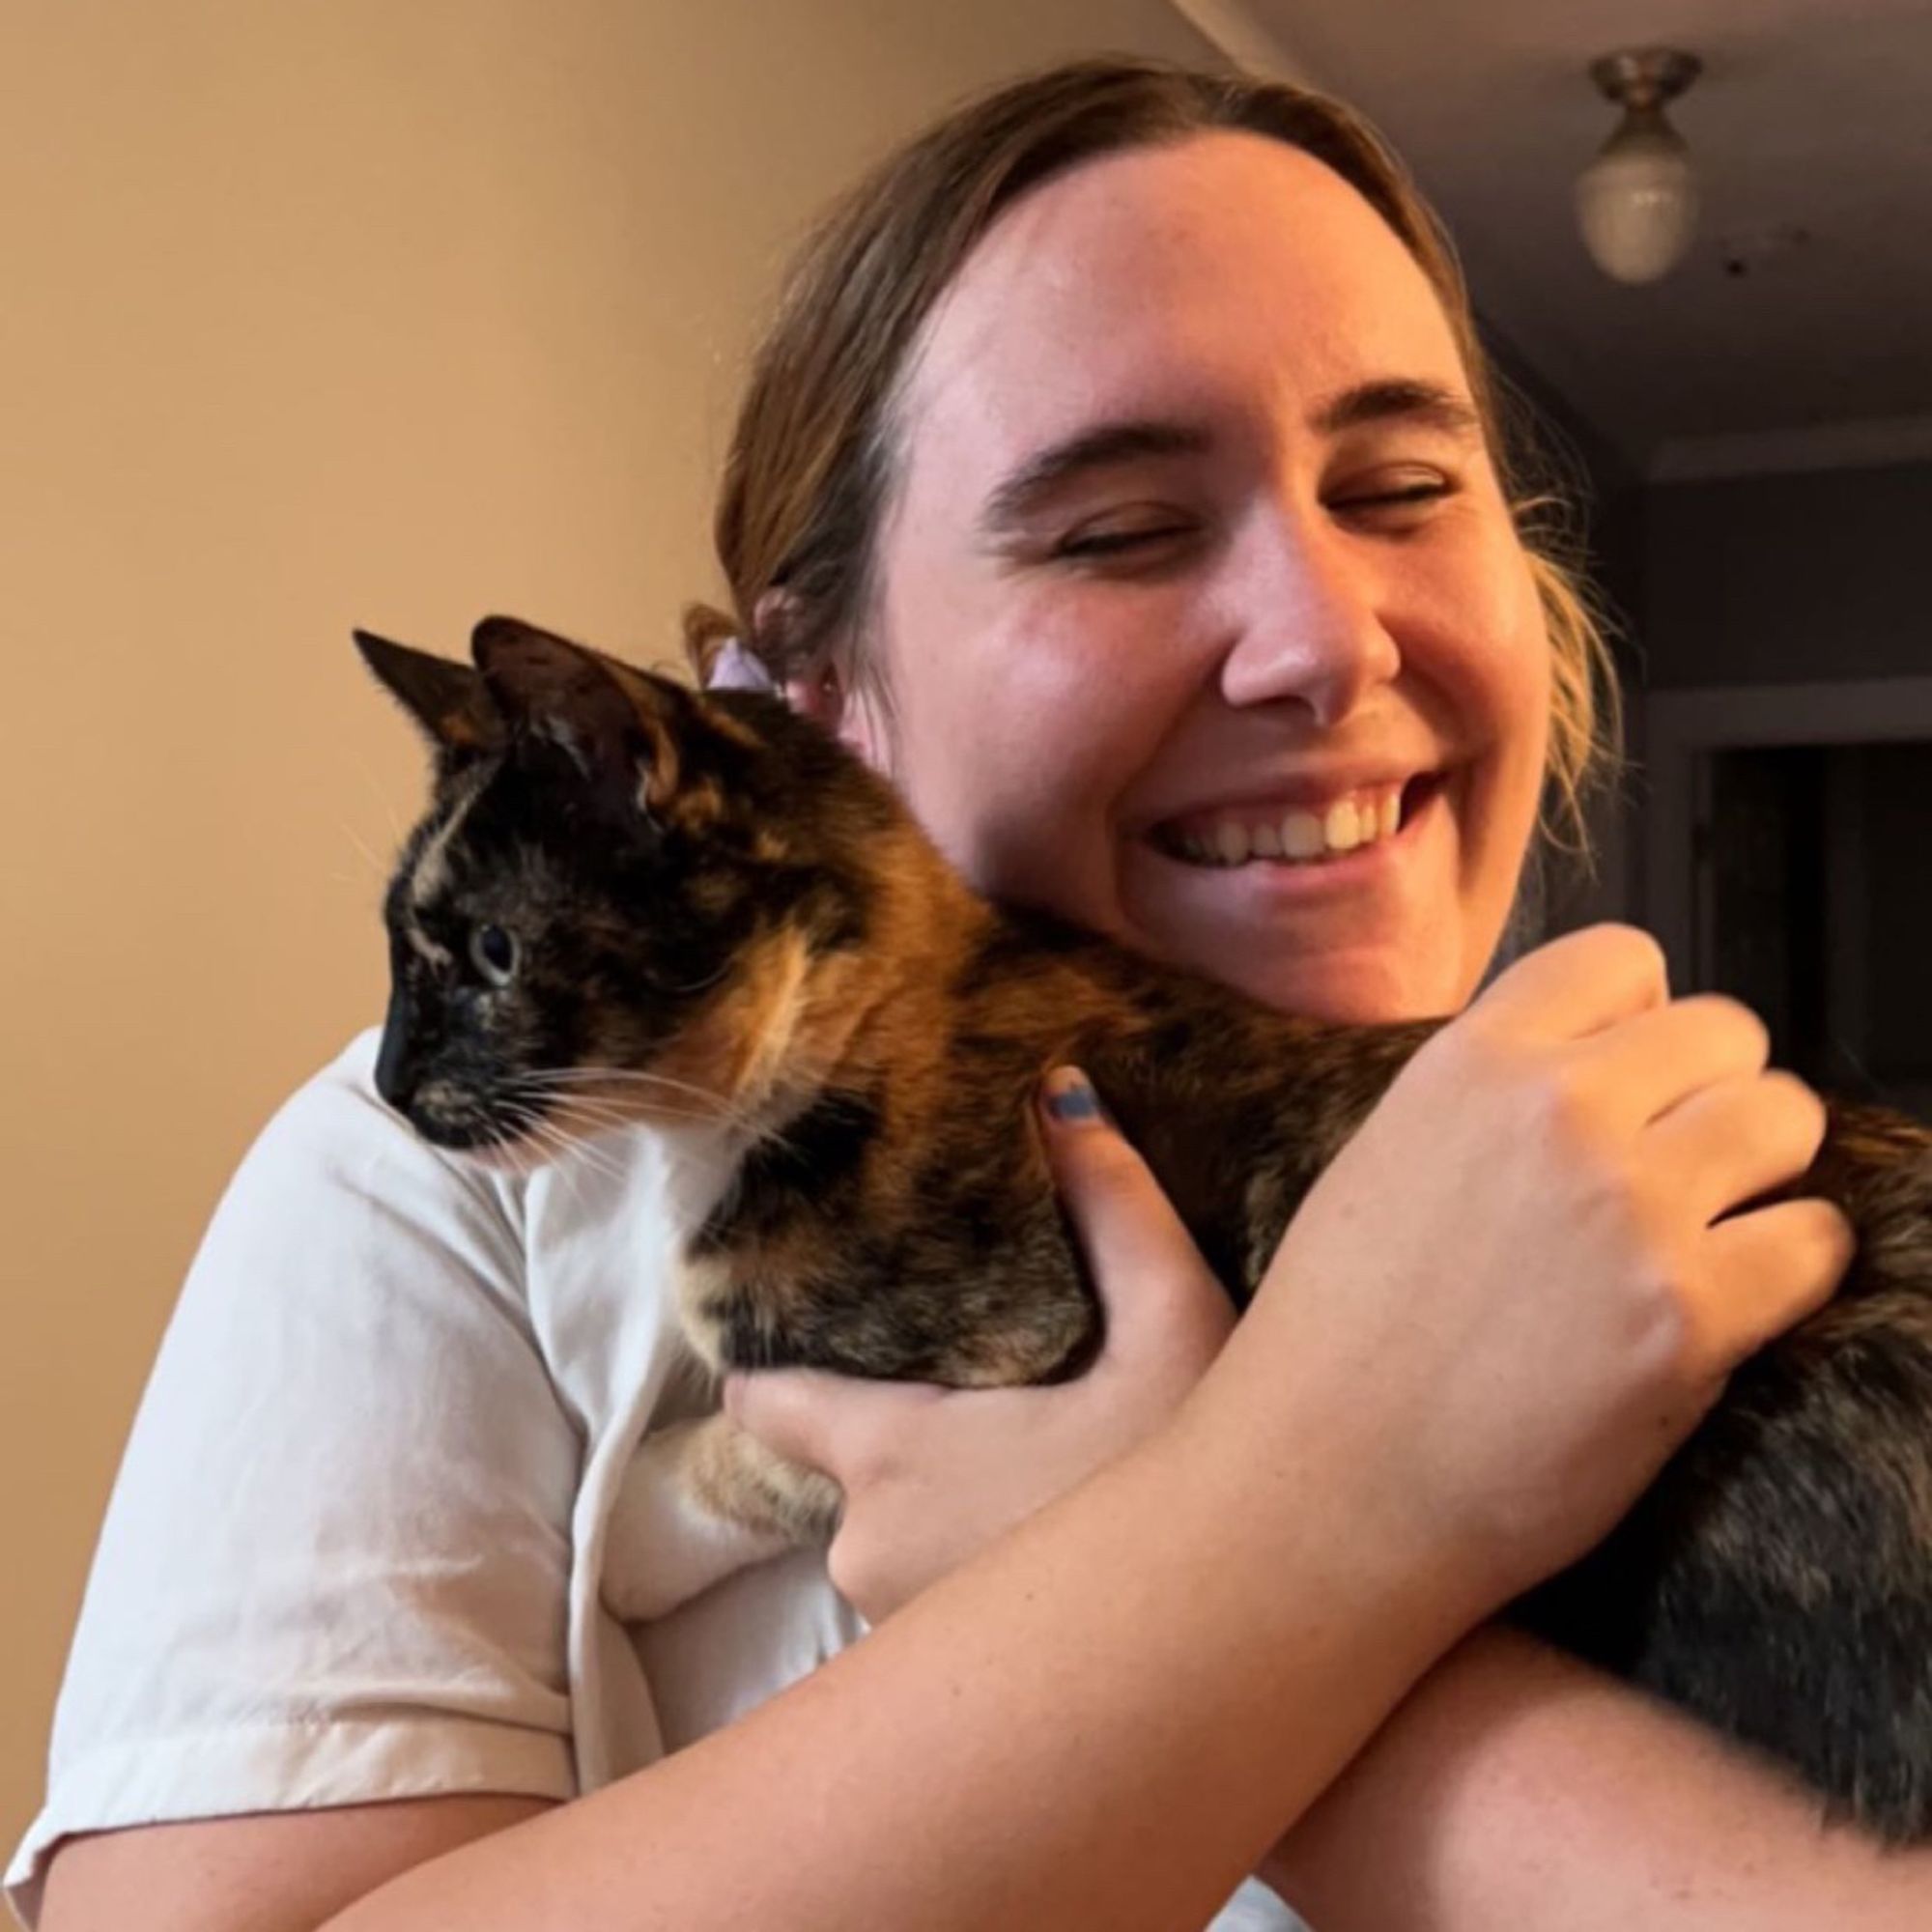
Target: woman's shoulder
334, 1130
340, 1205
335, 1153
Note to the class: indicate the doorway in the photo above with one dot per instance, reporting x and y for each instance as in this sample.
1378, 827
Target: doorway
1813, 905
1788, 861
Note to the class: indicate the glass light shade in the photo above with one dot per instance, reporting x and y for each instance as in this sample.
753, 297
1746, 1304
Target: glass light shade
1637, 203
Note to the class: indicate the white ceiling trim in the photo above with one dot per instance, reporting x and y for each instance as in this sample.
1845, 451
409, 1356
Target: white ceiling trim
1868, 442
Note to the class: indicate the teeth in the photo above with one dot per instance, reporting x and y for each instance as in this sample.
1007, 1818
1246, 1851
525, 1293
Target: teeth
1343, 826
1301, 836
1347, 825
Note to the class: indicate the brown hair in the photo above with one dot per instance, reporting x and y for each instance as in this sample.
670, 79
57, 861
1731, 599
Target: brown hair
811, 467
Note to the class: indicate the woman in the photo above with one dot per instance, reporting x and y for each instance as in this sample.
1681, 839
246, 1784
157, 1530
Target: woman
1122, 470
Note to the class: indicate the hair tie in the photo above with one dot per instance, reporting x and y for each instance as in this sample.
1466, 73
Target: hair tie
735, 668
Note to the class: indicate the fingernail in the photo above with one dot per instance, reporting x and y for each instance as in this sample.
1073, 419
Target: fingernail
1068, 1097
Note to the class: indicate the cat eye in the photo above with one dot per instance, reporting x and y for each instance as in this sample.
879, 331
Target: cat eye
493, 953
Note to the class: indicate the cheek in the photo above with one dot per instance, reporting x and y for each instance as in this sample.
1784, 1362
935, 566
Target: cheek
1521, 682
1506, 680
1014, 752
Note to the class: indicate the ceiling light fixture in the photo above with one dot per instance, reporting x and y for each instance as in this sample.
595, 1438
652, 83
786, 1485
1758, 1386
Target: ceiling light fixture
1637, 203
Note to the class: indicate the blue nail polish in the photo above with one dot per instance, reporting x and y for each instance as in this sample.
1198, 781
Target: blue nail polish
1071, 1099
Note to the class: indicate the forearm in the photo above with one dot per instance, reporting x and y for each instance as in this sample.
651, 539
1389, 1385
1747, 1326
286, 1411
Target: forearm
1103, 1720
1516, 1787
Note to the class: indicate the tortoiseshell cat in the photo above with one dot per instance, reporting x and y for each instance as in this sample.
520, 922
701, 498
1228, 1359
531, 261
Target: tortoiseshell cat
627, 889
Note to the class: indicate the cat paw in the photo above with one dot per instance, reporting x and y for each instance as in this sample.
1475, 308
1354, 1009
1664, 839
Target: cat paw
662, 1546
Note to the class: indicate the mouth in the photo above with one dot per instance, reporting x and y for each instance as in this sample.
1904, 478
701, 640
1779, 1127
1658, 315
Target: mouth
1308, 833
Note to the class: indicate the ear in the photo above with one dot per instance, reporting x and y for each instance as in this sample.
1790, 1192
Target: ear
852, 719
822, 696
446, 699
620, 726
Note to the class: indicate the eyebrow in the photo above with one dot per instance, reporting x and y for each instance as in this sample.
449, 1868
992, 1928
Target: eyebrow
1099, 448
1399, 398
1103, 445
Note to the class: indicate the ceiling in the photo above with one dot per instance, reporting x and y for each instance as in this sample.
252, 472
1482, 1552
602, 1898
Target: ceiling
1811, 129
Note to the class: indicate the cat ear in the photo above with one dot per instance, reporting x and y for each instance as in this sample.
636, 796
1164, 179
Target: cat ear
616, 724
447, 701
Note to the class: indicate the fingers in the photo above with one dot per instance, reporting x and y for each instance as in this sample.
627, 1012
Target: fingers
1738, 1139
1661, 1058
1770, 1268
1579, 984
1163, 1301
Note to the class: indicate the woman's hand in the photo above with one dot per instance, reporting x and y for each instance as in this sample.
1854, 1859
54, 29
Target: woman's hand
1526, 1279
930, 1474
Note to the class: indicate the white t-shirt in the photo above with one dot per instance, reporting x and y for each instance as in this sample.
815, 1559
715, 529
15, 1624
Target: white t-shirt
355, 1548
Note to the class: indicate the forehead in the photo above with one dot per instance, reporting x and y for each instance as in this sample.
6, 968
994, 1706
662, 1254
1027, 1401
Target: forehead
1227, 271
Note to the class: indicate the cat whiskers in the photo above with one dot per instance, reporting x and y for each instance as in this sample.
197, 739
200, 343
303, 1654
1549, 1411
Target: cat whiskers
569, 1115
714, 1108
547, 1124
522, 1154
705, 985
601, 1117
549, 1147
379, 867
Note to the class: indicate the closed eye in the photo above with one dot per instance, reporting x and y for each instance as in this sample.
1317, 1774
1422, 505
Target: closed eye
1115, 543
1426, 489
1098, 545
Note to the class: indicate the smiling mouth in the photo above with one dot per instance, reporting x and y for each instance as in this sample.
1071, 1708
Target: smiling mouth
1294, 835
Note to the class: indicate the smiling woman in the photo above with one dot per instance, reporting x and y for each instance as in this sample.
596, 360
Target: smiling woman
1312, 592
1194, 449
1121, 476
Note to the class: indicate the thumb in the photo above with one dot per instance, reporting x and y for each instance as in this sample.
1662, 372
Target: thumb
1161, 1300
828, 1422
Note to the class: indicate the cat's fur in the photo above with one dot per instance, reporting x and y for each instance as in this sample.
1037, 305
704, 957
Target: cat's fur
711, 908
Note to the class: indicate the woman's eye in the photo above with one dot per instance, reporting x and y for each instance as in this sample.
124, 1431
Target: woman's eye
1118, 543
493, 953
1397, 495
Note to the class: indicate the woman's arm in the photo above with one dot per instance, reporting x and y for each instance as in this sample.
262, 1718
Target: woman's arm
271, 1871
1052, 1737
1100, 1719
1516, 1787
1071, 1729
332, 1571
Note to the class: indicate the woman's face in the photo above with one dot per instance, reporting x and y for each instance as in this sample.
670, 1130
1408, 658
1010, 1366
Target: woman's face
1198, 577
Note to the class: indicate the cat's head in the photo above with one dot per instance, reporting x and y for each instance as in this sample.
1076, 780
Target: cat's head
628, 899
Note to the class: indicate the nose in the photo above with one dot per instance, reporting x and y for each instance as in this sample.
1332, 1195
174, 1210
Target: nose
1307, 606
396, 1074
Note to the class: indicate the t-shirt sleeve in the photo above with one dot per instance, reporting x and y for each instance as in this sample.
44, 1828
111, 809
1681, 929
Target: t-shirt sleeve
335, 1565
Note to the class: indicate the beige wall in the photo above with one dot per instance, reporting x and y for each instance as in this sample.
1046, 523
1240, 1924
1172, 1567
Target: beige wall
319, 313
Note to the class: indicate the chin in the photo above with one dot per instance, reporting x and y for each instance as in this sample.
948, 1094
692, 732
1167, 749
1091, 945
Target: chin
1340, 990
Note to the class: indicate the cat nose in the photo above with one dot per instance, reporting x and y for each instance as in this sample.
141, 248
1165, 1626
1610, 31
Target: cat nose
396, 1077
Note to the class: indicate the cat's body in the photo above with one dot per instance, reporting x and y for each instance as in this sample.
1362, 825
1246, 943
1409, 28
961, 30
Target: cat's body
702, 899
902, 1223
